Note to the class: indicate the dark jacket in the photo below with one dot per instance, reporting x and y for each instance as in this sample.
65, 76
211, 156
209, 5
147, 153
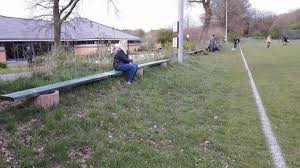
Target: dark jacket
121, 58
285, 39
29, 54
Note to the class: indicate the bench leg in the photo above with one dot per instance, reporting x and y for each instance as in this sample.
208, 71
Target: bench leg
47, 100
164, 65
140, 72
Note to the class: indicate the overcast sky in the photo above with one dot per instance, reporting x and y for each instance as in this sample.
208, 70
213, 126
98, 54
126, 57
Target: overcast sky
146, 14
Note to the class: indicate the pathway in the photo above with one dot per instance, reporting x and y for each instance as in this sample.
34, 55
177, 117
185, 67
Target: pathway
14, 76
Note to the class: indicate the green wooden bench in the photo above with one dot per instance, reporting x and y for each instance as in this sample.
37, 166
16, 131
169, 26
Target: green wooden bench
195, 52
30, 93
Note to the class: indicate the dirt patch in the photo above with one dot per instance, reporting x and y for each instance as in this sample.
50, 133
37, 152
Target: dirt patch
205, 146
5, 104
81, 155
22, 131
4, 150
8, 104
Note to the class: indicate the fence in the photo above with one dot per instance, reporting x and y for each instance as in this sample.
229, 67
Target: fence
293, 34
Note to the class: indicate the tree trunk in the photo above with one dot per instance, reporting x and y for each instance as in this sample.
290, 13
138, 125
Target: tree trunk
208, 15
56, 24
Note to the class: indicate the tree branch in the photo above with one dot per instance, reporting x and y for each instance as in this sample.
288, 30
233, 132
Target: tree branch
114, 5
74, 3
66, 7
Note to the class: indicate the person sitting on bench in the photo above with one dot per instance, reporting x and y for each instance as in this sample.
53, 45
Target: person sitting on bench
123, 63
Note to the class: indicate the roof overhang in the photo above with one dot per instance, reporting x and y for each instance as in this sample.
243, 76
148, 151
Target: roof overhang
69, 40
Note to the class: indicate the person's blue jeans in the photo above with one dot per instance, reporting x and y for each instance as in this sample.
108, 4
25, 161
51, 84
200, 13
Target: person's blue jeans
130, 68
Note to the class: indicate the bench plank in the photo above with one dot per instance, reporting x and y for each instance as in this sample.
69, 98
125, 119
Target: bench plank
57, 86
29, 93
195, 52
153, 63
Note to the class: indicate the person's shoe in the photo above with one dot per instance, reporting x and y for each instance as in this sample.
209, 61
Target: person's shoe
132, 82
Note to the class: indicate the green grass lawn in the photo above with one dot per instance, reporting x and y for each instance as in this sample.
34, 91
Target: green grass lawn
201, 114
277, 74
9, 70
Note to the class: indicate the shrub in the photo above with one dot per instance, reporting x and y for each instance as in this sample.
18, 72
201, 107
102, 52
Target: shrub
3, 65
60, 65
189, 45
275, 32
143, 48
257, 35
168, 45
295, 26
235, 33
164, 36
40, 60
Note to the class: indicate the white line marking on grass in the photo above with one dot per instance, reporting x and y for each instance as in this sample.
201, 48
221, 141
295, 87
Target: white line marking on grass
265, 123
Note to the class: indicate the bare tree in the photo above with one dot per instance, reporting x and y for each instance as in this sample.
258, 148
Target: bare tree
239, 15
284, 21
208, 16
60, 14
57, 11
261, 22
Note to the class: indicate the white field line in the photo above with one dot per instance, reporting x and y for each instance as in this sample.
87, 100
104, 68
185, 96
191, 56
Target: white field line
273, 145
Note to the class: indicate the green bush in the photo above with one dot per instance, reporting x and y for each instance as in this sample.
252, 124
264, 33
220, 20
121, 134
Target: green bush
235, 33
3, 65
40, 60
275, 32
168, 45
54, 68
143, 48
190, 45
164, 36
295, 26
257, 35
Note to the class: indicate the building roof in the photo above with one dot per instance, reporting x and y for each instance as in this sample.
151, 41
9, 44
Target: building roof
78, 29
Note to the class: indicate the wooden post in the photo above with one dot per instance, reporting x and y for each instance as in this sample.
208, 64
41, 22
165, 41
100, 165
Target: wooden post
13, 48
140, 72
47, 100
164, 65
2, 55
18, 56
23, 46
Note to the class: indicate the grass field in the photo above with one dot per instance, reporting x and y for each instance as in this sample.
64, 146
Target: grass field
13, 70
277, 74
201, 114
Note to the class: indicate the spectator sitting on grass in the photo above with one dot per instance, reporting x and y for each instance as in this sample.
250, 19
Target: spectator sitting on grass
123, 63
213, 44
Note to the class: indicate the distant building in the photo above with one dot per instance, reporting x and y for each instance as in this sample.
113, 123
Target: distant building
79, 33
